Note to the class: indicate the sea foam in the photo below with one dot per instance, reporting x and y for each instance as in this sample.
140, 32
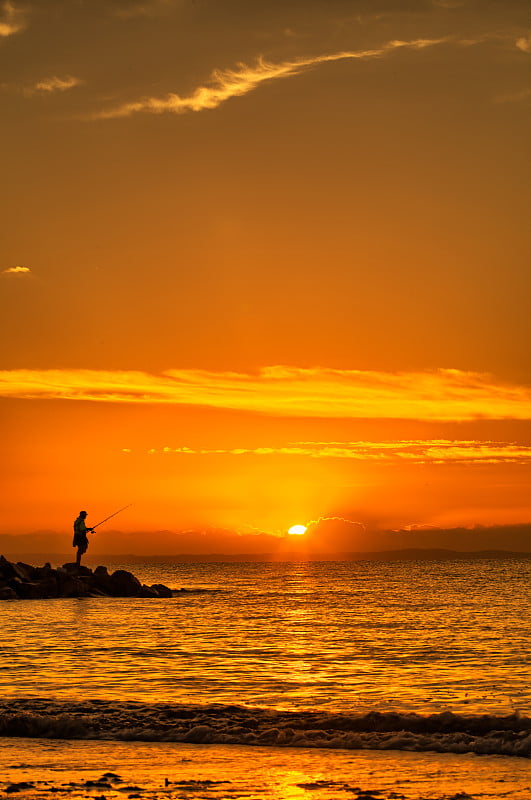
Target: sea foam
231, 724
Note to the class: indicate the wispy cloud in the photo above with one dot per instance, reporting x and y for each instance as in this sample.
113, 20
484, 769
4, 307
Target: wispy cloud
143, 8
55, 84
444, 394
226, 84
449, 3
431, 451
514, 97
12, 19
16, 271
524, 44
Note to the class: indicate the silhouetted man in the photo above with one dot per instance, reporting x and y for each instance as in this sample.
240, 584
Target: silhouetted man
80, 536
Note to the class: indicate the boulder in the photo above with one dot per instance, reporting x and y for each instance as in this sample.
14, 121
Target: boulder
15, 585
70, 585
5, 567
73, 568
162, 591
22, 581
48, 585
11, 570
125, 584
101, 581
7, 593
27, 589
148, 591
40, 573
25, 571
38, 590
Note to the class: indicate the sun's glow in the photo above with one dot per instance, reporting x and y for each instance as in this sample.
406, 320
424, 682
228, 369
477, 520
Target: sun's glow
297, 530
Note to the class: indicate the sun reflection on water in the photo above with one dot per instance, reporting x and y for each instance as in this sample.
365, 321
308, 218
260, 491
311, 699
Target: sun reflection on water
342, 636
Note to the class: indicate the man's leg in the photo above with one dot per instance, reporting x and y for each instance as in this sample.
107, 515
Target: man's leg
82, 548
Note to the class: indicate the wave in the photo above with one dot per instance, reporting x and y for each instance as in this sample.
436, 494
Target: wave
230, 724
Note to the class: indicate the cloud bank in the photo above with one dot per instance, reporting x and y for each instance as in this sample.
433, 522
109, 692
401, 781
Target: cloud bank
515, 97
226, 84
16, 271
439, 395
431, 451
144, 8
332, 536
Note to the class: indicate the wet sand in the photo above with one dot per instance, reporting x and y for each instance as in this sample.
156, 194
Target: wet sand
34, 769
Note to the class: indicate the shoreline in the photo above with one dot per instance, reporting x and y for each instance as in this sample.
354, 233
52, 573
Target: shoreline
221, 724
146, 771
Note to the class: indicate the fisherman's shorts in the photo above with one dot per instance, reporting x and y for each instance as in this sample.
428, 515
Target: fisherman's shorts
81, 542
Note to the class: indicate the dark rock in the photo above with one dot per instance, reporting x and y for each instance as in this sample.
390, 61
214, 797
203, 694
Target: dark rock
10, 570
22, 581
7, 593
125, 584
111, 776
147, 591
99, 784
5, 567
70, 585
101, 580
162, 591
48, 587
29, 589
15, 585
71, 567
39, 573
25, 571
19, 787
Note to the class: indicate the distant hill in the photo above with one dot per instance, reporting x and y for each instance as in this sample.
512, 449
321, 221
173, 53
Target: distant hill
214, 545
58, 559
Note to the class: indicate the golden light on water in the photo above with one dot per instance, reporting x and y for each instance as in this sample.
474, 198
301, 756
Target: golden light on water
297, 530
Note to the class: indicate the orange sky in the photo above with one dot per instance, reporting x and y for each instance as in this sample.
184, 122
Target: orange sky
265, 263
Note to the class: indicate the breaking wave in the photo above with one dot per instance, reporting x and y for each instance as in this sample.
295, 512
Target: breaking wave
231, 724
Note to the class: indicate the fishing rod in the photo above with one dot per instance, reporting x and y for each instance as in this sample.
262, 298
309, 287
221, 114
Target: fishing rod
110, 516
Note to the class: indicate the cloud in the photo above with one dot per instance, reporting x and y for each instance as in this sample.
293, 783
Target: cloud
16, 271
339, 534
449, 3
225, 84
524, 44
55, 84
143, 8
430, 451
515, 97
330, 535
444, 394
11, 19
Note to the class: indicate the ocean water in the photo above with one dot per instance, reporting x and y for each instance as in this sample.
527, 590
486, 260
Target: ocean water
419, 656
342, 636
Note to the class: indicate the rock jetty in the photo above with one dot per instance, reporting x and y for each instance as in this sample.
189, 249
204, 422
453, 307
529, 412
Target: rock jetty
19, 581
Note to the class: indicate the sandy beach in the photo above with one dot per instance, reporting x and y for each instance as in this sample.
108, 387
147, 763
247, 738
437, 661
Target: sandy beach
35, 769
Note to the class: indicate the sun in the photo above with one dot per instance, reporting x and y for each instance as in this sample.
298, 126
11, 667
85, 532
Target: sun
297, 530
